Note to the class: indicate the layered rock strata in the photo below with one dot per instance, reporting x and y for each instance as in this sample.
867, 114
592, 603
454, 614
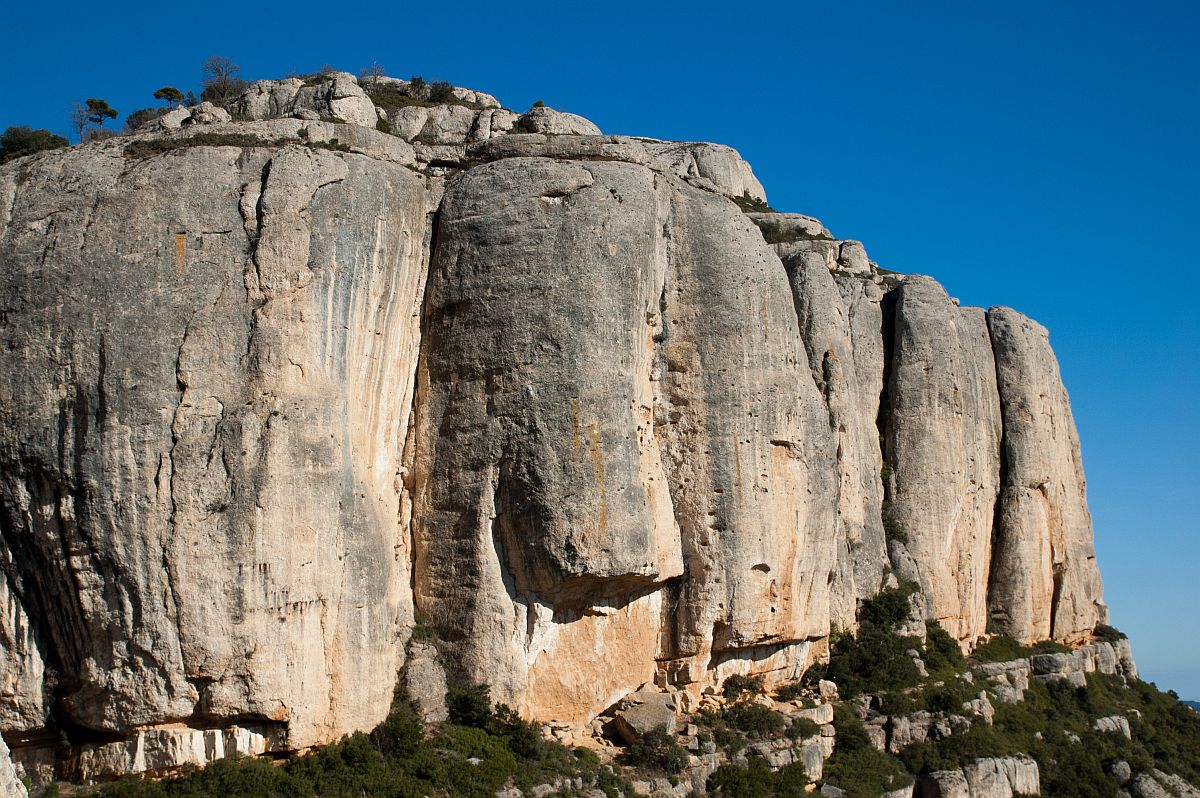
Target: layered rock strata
269, 383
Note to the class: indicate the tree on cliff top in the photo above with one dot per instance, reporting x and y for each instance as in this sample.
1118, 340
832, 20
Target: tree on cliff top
170, 94
221, 79
21, 140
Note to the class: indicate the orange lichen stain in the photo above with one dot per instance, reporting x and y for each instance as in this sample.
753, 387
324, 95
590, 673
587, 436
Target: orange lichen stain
576, 441
180, 253
598, 467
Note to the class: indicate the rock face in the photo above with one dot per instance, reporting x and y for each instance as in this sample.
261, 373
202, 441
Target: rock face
1046, 582
984, 778
553, 388
10, 785
202, 516
943, 447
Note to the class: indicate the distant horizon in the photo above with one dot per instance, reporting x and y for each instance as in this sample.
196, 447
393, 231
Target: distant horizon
1040, 158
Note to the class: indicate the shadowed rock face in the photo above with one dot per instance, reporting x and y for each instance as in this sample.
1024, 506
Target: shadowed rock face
556, 390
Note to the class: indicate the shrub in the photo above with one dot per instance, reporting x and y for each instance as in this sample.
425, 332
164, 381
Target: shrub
1108, 634
754, 720
877, 660
889, 608
791, 691
942, 652
469, 705
757, 781
775, 232
750, 204
858, 767
20, 140
146, 149
802, 729
892, 529
539, 104
657, 749
140, 117
441, 92
1050, 647
737, 684
1000, 648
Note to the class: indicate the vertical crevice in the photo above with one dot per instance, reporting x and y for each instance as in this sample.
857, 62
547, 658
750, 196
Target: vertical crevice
883, 419
999, 618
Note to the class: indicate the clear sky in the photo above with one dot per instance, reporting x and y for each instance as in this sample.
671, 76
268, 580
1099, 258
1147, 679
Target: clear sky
1038, 155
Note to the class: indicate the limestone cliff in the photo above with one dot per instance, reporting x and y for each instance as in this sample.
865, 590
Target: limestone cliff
269, 384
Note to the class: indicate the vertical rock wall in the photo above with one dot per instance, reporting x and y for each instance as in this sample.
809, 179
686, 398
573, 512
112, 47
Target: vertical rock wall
614, 440
210, 359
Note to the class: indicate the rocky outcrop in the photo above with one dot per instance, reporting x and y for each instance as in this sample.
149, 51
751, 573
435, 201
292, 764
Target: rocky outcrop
943, 448
270, 383
211, 358
711, 166
335, 95
840, 323
550, 122
984, 778
10, 785
1045, 580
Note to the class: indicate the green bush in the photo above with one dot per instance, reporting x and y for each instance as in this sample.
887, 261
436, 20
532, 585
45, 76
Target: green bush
1108, 634
942, 652
892, 529
858, 767
20, 140
776, 232
754, 720
736, 685
441, 92
790, 691
802, 729
889, 608
1000, 648
757, 781
1050, 647
469, 705
750, 204
657, 749
141, 117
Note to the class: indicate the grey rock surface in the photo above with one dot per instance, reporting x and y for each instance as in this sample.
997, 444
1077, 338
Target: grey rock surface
550, 122
201, 435
425, 679
840, 327
1044, 575
943, 447
10, 785
712, 166
554, 388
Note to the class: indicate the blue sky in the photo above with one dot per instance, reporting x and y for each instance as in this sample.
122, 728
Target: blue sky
1037, 155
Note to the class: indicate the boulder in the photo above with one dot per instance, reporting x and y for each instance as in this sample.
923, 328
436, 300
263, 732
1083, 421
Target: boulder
645, 711
550, 122
712, 166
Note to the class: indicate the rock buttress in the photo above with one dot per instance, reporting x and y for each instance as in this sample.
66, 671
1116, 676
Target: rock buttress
209, 357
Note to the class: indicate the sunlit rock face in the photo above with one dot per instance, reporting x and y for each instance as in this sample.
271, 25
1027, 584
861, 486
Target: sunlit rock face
266, 387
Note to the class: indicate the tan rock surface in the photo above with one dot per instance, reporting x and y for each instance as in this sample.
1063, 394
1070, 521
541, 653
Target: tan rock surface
1045, 582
